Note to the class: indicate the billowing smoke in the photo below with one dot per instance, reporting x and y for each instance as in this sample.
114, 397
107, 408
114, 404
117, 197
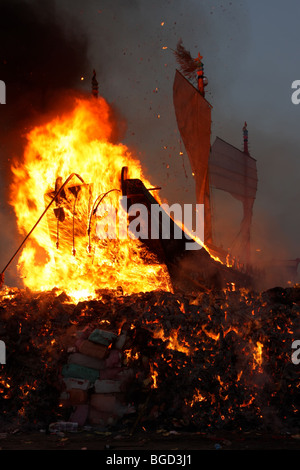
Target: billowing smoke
42, 58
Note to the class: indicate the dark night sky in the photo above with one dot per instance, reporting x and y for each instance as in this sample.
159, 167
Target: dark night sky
251, 57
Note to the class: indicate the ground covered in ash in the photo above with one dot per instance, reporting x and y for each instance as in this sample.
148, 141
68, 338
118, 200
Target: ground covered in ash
212, 362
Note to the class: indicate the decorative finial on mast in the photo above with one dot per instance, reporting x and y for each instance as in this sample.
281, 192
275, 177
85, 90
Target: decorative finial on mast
200, 73
245, 135
94, 85
190, 67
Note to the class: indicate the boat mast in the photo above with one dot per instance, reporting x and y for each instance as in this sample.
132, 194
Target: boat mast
247, 204
245, 137
193, 115
202, 83
94, 85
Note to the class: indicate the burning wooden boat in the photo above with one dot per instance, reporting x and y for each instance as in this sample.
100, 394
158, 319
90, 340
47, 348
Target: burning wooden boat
108, 171
73, 204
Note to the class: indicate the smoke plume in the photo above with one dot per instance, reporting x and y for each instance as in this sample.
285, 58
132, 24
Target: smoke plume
41, 61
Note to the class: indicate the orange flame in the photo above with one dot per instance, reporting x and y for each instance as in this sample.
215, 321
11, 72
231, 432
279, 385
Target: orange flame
57, 253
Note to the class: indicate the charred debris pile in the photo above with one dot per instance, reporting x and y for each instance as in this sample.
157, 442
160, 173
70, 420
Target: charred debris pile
208, 361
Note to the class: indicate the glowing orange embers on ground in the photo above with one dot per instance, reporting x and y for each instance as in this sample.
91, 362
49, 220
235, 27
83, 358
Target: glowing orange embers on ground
59, 252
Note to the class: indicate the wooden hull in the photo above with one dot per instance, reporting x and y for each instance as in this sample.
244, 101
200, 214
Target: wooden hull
189, 269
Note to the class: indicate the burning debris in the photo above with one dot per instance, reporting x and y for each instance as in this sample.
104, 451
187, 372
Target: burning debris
214, 360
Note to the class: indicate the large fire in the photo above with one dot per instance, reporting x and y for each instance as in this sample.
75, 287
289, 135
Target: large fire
59, 252
203, 360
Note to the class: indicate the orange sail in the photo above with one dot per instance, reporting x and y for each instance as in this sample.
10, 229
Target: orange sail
193, 114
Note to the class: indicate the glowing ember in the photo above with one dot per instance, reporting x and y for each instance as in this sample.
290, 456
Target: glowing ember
154, 375
257, 354
173, 342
